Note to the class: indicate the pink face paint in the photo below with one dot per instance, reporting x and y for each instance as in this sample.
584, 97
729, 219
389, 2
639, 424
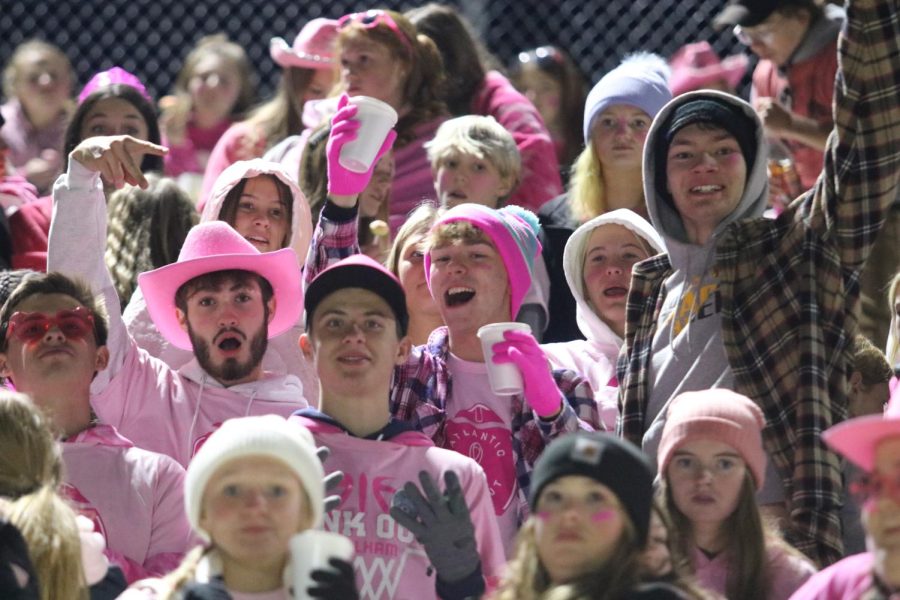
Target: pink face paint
602, 515
543, 515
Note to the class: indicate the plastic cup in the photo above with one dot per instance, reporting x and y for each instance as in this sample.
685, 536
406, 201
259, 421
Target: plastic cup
312, 550
376, 120
506, 380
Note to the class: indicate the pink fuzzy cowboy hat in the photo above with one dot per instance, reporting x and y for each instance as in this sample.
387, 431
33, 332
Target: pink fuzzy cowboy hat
696, 65
313, 47
216, 246
857, 439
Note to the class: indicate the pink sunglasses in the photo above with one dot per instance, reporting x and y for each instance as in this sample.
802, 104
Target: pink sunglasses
373, 18
30, 327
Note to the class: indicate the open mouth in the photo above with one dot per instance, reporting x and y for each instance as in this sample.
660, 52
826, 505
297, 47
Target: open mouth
458, 296
706, 189
257, 240
229, 343
615, 292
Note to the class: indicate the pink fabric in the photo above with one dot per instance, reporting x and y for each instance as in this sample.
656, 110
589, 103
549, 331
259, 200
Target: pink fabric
24, 141
16, 191
412, 174
596, 362
30, 230
788, 572
812, 89
234, 145
389, 563
847, 579
198, 144
540, 168
137, 504
481, 429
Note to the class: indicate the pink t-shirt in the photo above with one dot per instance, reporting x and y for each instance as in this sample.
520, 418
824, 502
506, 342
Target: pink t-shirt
389, 563
135, 498
481, 428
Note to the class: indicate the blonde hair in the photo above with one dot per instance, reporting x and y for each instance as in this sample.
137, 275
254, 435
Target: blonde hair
418, 223
892, 351
463, 231
30, 473
478, 136
587, 196
527, 579
11, 72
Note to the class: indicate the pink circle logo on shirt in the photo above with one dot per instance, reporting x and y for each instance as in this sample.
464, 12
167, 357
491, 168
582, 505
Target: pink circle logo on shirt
82, 506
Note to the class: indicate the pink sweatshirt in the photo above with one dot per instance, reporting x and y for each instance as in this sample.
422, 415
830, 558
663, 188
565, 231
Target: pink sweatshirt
390, 564
540, 168
847, 579
234, 145
788, 572
135, 499
157, 408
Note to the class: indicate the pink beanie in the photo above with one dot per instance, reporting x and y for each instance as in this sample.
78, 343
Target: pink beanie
513, 230
720, 415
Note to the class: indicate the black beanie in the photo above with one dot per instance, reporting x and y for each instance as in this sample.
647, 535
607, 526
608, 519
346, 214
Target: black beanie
711, 110
615, 463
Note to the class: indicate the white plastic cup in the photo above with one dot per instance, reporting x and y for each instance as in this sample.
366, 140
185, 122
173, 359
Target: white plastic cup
312, 550
506, 380
376, 119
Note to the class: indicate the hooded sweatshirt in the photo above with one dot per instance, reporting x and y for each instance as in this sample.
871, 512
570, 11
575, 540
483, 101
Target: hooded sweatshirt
156, 407
595, 357
283, 353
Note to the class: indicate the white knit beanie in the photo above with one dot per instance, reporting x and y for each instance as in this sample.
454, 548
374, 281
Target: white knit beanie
268, 435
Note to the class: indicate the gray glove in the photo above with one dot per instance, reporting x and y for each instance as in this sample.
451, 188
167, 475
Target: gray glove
331, 481
441, 523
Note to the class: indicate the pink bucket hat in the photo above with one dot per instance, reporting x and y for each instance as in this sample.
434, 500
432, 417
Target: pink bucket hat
857, 439
216, 246
513, 230
697, 65
720, 415
313, 47
112, 77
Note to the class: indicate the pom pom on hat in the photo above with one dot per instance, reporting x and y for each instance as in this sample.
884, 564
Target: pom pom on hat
268, 436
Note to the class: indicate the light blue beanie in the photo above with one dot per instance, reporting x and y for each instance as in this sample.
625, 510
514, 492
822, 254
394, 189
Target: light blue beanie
641, 80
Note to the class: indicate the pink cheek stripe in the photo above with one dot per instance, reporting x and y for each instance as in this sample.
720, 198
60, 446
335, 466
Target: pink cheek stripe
603, 515
543, 515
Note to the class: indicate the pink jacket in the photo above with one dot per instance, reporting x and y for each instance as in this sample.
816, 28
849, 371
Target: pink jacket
157, 408
540, 167
189, 156
135, 499
847, 579
788, 572
390, 564
236, 144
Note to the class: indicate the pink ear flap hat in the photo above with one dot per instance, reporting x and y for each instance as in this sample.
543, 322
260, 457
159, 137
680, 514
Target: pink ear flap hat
216, 246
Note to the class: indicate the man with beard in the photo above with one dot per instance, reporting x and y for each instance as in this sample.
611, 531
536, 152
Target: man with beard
222, 298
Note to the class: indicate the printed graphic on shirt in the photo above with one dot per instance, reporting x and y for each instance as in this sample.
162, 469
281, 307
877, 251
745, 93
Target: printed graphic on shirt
82, 506
198, 443
696, 302
480, 434
388, 562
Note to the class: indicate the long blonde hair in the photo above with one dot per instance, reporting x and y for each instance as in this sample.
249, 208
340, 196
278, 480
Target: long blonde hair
587, 194
527, 579
30, 473
893, 342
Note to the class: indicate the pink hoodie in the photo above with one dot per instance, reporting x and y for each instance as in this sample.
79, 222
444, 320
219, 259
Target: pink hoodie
390, 564
135, 499
156, 407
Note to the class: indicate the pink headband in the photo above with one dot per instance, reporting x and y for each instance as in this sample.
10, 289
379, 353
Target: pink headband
112, 77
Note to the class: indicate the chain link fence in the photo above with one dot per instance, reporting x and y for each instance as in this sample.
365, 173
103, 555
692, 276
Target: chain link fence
151, 37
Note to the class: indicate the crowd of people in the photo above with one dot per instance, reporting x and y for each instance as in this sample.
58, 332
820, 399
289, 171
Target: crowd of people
235, 367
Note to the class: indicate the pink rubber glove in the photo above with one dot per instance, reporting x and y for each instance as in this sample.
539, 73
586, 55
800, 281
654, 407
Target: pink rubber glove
522, 350
344, 127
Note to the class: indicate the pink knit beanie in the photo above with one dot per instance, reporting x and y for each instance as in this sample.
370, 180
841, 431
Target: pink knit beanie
719, 415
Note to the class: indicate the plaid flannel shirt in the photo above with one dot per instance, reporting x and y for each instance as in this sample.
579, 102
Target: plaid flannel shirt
421, 386
790, 287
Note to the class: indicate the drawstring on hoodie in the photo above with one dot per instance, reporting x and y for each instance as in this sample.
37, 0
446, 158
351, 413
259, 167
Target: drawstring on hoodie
190, 443
250, 402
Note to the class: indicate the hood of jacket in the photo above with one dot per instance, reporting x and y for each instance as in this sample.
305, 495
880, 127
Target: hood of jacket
591, 325
270, 387
660, 206
301, 218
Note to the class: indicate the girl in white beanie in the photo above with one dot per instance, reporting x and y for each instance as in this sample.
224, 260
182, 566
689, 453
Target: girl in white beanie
254, 484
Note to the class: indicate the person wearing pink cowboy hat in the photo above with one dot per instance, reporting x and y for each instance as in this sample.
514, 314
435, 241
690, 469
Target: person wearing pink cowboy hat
872, 443
697, 66
313, 47
223, 299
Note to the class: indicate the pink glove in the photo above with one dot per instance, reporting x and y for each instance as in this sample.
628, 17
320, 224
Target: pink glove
522, 350
342, 182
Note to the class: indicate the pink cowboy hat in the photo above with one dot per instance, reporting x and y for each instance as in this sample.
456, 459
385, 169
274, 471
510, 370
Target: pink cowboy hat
696, 65
216, 246
857, 439
313, 47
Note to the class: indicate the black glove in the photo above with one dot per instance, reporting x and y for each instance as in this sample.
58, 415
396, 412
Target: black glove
441, 523
331, 481
338, 583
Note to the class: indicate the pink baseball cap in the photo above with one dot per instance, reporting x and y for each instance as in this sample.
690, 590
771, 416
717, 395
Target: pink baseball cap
313, 47
216, 246
697, 65
112, 77
856, 439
